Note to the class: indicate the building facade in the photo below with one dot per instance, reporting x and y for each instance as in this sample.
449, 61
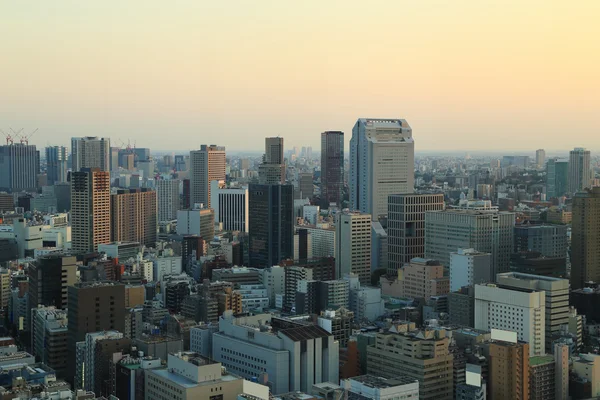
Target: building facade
206, 165
332, 168
230, 205
56, 164
585, 238
557, 177
353, 240
167, 192
90, 152
580, 172
19, 167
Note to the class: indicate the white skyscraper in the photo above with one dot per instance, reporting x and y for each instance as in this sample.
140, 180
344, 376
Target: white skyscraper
206, 165
230, 206
382, 159
90, 152
353, 255
580, 173
167, 191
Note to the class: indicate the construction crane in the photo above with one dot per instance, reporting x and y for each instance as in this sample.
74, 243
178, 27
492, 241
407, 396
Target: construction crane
7, 136
25, 138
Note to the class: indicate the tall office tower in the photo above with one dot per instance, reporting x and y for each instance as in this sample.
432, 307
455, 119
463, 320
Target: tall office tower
406, 226
49, 277
273, 150
332, 168
93, 307
580, 172
585, 238
468, 267
134, 216
230, 206
167, 191
90, 152
302, 245
272, 170
477, 226
305, 182
206, 165
513, 309
421, 355
382, 162
90, 210
540, 158
353, 240
19, 167
557, 176
509, 370
56, 163
270, 224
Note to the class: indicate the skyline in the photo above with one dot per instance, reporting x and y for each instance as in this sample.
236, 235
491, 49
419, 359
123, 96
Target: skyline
176, 77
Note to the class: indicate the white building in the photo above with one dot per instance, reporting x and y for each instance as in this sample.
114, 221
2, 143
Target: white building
364, 301
254, 297
468, 267
382, 159
273, 278
311, 214
167, 193
166, 266
353, 255
376, 388
520, 311
230, 206
206, 165
322, 239
90, 152
197, 221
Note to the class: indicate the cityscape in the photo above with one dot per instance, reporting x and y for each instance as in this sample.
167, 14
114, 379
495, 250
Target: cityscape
270, 201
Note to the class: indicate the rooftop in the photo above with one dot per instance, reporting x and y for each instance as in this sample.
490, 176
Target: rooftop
539, 360
382, 383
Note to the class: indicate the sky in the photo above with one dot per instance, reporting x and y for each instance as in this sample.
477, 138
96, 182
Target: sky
171, 75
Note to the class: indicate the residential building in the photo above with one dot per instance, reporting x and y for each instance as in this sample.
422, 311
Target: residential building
381, 163
49, 278
561, 371
557, 178
509, 370
56, 164
353, 254
19, 167
230, 205
580, 171
541, 378
90, 152
167, 192
134, 216
468, 267
585, 238
206, 165
332, 168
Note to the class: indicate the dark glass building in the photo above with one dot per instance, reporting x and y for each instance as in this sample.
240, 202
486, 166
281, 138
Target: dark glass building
332, 168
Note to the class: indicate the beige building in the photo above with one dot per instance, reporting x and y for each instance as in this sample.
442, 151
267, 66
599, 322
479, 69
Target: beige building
585, 238
134, 295
90, 210
353, 240
556, 215
420, 278
421, 355
206, 165
509, 371
587, 368
134, 216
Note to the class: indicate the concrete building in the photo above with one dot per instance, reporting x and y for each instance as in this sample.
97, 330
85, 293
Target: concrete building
580, 170
238, 275
332, 168
49, 278
541, 378
420, 355
90, 152
254, 298
334, 294
509, 370
197, 221
549, 240
56, 164
272, 170
19, 167
167, 192
134, 216
557, 178
302, 245
378, 388
49, 338
540, 158
422, 279
206, 165
163, 266
468, 267
585, 238
322, 239
379, 246
121, 250
461, 307
406, 226
201, 339
364, 301
587, 368
338, 323
561, 371
90, 210
381, 163
518, 310
311, 214
274, 279
306, 185
353, 254
230, 205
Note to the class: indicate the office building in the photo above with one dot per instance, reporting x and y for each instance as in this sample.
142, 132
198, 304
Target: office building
533, 262
382, 158
230, 205
509, 370
49, 337
206, 165
333, 294
90, 152
406, 226
306, 185
587, 369
130, 373
274, 280
468, 267
19, 167
56, 164
353, 240
580, 170
585, 238
270, 224
377, 388
272, 170
90, 210
365, 301
476, 225
49, 278
167, 192
302, 245
549, 240
561, 371
422, 279
332, 168
540, 158
134, 216
557, 177
513, 309
521, 162
322, 239
461, 307
421, 355
379, 246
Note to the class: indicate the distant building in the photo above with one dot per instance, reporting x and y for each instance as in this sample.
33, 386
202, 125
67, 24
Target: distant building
206, 165
134, 216
557, 178
90, 152
230, 206
585, 238
167, 193
332, 168
580, 171
19, 167
56, 164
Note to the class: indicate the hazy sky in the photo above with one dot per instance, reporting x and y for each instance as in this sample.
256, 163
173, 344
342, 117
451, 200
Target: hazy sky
472, 75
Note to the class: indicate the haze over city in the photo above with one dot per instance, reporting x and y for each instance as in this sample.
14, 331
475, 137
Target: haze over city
174, 75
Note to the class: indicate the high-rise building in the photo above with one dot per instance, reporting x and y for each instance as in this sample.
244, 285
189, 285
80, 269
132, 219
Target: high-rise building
406, 226
134, 216
540, 158
322, 239
49, 277
353, 254
56, 164
230, 205
557, 177
19, 167
332, 168
90, 210
585, 238
273, 150
382, 158
196, 221
509, 370
468, 267
272, 170
305, 184
476, 225
587, 369
508, 308
90, 152
206, 165
580, 172
49, 336
270, 224
167, 191
549, 240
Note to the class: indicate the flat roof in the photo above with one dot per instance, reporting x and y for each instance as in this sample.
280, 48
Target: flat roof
539, 360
